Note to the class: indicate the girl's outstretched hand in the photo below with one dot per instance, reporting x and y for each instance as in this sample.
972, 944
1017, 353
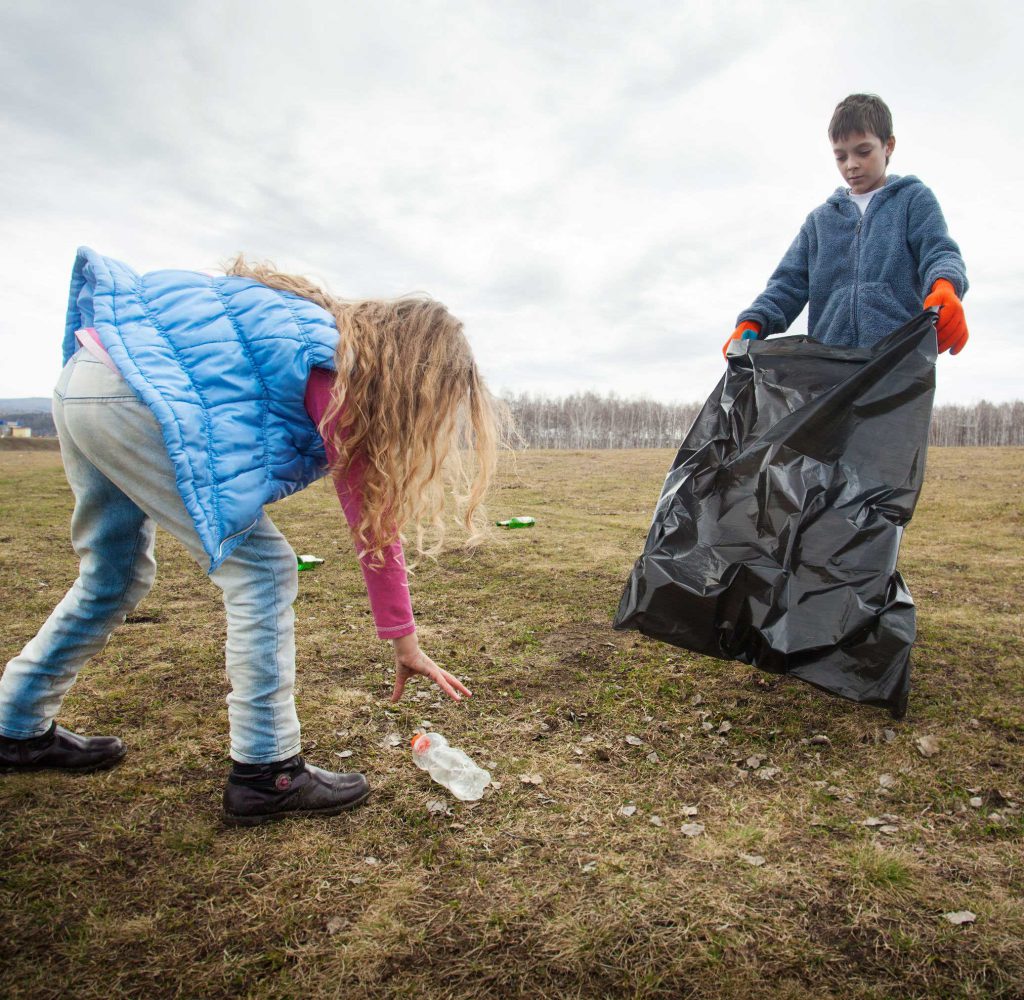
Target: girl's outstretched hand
410, 659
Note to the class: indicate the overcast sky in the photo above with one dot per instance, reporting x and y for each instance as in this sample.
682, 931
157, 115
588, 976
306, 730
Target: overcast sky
595, 188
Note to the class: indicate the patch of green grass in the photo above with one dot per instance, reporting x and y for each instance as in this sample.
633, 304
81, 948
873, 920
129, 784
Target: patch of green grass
874, 866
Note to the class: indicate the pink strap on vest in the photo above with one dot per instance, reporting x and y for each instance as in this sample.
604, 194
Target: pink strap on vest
90, 340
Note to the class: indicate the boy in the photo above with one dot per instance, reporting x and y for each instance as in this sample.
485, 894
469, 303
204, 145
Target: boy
867, 257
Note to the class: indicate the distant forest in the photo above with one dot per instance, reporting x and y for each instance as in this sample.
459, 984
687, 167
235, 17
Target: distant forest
587, 420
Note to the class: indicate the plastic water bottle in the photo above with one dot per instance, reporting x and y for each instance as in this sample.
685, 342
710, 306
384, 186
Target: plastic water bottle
449, 766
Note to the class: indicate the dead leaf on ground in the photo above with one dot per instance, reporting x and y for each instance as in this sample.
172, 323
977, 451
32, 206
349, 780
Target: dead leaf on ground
634, 741
959, 917
653, 758
626, 811
767, 773
724, 728
886, 781
820, 740
752, 859
656, 821
531, 779
438, 807
928, 746
691, 829
689, 810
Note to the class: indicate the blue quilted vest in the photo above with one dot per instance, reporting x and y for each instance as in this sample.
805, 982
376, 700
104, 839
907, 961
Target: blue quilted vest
223, 364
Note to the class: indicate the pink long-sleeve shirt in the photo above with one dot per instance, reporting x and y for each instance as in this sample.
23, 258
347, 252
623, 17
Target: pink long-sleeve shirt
387, 585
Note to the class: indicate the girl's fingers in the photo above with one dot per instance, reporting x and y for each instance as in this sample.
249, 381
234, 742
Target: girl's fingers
456, 683
452, 681
399, 684
443, 684
448, 683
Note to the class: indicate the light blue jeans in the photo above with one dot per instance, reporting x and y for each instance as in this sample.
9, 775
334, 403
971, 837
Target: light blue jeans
124, 485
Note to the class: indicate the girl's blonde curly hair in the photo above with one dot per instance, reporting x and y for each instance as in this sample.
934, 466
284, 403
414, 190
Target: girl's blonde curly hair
410, 404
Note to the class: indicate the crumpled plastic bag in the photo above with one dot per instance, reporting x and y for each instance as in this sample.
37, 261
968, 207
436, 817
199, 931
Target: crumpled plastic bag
776, 536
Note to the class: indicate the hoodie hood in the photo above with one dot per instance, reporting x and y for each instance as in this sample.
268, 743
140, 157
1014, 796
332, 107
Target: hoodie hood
893, 184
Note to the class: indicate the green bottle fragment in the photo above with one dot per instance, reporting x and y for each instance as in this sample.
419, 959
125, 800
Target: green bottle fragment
517, 522
308, 562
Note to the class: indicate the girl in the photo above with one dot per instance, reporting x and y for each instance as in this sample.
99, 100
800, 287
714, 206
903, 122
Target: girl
190, 402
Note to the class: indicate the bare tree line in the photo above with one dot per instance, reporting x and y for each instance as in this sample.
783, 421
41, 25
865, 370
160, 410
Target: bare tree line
984, 423
587, 420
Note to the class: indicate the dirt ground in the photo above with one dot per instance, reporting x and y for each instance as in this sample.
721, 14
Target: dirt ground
806, 849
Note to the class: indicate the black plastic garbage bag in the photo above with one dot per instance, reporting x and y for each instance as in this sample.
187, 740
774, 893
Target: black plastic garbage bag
775, 539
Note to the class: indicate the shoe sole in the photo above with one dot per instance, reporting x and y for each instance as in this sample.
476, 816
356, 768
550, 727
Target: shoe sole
232, 820
104, 765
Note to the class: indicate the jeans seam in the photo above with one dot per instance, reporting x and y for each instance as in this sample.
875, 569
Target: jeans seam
277, 647
131, 568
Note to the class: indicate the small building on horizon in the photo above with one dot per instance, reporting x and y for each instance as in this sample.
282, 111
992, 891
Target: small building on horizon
14, 429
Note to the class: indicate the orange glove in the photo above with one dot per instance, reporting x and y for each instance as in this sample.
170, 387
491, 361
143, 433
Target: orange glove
952, 327
747, 330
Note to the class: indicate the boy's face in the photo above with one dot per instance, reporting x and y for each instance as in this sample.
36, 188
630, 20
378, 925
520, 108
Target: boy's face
862, 160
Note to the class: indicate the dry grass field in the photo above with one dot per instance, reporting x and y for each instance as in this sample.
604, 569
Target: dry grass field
126, 884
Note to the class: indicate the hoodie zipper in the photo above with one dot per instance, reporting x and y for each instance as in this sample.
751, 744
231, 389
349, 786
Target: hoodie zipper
856, 273
856, 249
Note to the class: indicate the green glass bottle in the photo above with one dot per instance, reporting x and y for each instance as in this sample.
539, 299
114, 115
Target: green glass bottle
517, 522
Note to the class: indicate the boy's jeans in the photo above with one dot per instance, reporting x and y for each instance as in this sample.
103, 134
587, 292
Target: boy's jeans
124, 485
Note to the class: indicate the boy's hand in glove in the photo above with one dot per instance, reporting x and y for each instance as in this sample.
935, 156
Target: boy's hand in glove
747, 330
952, 327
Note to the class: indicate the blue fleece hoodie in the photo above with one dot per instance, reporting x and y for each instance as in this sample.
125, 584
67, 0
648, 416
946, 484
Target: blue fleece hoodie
862, 276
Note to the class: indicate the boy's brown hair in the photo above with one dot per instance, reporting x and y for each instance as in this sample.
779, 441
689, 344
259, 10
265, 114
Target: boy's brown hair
866, 113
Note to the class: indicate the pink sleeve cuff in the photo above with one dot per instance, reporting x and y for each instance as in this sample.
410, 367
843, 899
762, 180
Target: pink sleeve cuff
395, 631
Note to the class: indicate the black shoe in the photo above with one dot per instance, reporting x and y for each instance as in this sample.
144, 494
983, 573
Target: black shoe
290, 788
60, 750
